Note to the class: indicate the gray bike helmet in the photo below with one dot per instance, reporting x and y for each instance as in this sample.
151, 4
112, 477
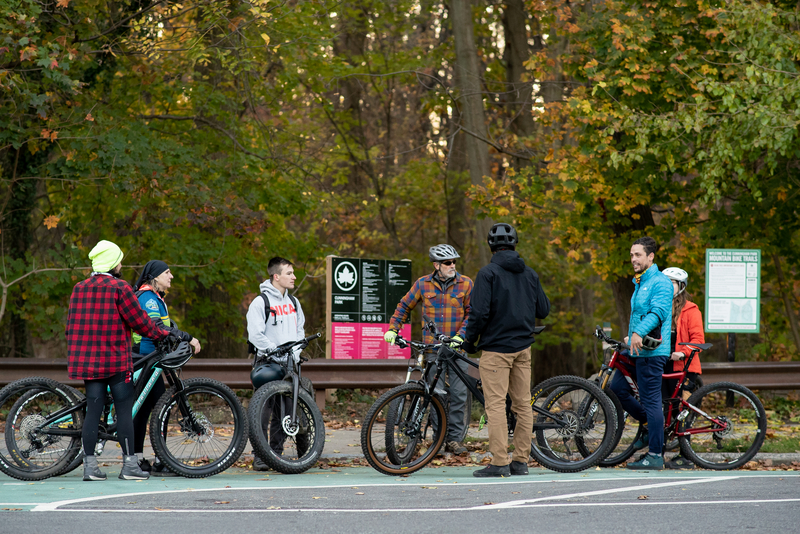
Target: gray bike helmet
442, 252
176, 358
502, 235
267, 372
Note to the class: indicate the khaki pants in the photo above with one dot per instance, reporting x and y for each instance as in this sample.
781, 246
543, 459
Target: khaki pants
503, 374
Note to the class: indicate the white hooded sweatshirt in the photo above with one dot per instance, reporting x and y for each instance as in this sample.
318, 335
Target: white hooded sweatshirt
262, 331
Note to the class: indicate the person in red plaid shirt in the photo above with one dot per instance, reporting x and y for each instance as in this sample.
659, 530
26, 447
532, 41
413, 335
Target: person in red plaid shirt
102, 312
446, 300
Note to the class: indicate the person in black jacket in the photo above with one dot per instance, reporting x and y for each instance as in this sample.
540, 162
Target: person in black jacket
506, 301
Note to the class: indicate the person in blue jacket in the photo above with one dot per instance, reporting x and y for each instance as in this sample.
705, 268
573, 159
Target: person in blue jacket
649, 339
150, 288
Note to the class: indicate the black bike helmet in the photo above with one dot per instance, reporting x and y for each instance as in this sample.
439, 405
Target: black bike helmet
502, 235
176, 358
267, 372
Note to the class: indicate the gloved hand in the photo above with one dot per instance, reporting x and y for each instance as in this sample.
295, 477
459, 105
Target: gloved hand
390, 336
456, 342
296, 354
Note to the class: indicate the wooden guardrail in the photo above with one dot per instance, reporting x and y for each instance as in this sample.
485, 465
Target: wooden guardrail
374, 374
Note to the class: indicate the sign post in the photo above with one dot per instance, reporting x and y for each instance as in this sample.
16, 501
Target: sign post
361, 297
733, 290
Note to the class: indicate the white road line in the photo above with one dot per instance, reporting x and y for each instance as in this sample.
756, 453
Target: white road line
512, 504
437, 510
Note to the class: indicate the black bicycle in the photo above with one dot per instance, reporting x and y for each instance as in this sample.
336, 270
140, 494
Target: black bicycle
198, 428
286, 426
574, 421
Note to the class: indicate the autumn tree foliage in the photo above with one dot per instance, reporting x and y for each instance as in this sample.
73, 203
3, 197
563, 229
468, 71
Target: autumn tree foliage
214, 135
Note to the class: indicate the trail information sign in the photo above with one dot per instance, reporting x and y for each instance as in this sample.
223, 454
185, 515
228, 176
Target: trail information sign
362, 295
733, 290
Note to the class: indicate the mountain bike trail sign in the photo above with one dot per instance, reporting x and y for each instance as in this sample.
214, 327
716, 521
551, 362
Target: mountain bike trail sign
361, 297
733, 290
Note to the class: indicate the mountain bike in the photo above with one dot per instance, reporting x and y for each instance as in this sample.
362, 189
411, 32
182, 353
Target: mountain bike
198, 428
286, 426
574, 422
719, 426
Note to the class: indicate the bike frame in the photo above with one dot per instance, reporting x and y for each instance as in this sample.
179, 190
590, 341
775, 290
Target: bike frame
620, 362
109, 432
444, 357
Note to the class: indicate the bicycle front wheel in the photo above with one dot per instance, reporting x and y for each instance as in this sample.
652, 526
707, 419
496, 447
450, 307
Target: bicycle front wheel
628, 431
729, 432
286, 447
398, 436
200, 430
36, 454
574, 424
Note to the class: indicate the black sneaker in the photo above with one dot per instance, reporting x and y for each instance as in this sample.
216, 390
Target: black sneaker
259, 464
145, 465
160, 469
493, 471
519, 468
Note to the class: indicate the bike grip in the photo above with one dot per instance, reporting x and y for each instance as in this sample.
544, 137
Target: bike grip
312, 337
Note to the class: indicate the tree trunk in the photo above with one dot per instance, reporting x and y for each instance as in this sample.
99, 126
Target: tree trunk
516, 53
468, 79
786, 294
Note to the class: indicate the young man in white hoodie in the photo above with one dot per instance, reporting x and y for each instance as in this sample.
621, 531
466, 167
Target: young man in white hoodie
282, 322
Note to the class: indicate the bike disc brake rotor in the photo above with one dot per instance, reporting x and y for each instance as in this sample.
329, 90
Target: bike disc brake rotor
207, 432
289, 428
571, 424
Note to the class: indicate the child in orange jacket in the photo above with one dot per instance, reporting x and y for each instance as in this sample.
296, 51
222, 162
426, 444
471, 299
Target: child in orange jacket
687, 327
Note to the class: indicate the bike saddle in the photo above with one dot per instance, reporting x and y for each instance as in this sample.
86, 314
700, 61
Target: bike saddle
701, 346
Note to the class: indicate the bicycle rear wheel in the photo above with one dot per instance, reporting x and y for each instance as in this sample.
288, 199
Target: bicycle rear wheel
286, 448
734, 431
200, 430
35, 454
398, 436
578, 426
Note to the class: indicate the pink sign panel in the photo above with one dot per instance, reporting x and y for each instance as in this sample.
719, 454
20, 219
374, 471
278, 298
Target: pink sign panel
364, 341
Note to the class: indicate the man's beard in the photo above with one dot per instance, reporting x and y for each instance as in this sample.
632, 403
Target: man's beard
116, 273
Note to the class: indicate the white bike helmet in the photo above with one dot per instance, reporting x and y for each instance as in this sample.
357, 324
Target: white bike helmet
679, 275
440, 253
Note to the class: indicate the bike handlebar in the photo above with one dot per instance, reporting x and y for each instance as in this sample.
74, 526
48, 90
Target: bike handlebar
288, 346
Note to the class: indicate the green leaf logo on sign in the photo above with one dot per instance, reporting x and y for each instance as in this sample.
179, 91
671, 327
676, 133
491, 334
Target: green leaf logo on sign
345, 276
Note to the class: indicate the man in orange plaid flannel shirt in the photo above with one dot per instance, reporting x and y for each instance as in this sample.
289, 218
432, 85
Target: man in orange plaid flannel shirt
446, 295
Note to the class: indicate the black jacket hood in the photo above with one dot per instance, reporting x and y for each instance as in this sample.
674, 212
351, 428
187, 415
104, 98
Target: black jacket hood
509, 260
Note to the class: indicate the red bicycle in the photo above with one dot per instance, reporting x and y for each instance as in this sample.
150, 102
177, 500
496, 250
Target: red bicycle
720, 426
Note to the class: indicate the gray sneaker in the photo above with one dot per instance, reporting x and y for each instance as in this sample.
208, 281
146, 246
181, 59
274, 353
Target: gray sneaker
91, 471
455, 447
131, 469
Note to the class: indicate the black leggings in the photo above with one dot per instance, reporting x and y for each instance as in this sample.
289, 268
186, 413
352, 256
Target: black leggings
122, 393
140, 421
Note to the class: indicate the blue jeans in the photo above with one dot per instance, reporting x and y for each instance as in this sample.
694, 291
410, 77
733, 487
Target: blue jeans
649, 407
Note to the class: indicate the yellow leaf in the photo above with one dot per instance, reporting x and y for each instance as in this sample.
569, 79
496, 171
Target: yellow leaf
62, 3
266, 38
51, 222
89, 117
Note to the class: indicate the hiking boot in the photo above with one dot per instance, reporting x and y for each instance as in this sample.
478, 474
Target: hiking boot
519, 468
455, 447
131, 470
259, 465
679, 462
492, 471
91, 471
648, 462
642, 441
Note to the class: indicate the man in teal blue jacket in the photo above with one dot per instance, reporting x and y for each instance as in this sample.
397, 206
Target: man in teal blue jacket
651, 320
